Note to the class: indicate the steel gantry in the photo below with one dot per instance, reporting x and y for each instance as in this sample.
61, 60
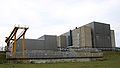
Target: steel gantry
12, 39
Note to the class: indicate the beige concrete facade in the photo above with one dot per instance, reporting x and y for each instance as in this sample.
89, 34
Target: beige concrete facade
61, 41
113, 38
76, 37
82, 37
86, 40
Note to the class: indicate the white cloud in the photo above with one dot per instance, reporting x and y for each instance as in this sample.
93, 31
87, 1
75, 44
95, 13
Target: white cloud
56, 16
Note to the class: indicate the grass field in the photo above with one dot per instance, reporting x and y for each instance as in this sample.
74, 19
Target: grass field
112, 60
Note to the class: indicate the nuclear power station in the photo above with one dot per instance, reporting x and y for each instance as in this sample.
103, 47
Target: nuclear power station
93, 35
86, 42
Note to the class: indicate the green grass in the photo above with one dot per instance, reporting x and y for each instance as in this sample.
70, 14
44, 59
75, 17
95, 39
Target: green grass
112, 60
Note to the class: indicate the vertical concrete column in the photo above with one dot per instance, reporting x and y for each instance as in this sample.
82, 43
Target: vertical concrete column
76, 37
61, 41
113, 38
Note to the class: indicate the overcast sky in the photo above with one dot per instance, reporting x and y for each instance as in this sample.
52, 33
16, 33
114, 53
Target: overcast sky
54, 17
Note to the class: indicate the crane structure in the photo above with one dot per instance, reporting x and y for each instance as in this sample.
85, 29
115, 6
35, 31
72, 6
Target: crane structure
14, 36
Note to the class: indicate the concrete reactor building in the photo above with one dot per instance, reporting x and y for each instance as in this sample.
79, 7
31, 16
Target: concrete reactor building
86, 42
92, 35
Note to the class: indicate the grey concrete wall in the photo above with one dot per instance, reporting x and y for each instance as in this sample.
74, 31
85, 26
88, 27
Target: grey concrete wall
61, 60
101, 36
46, 42
50, 42
31, 44
113, 38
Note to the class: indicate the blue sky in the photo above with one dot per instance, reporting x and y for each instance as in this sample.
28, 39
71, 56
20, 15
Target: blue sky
55, 17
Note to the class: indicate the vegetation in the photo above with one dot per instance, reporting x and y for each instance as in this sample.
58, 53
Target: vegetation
2, 58
111, 60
